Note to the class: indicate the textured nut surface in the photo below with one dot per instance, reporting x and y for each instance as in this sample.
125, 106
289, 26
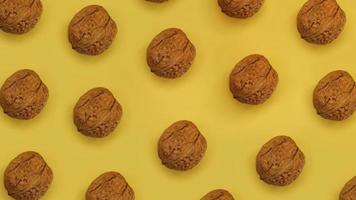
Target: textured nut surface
280, 161
27, 177
240, 8
349, 190
110, 186
97, 113
181, 146
320, 21
253, 80
23, 95
92, 30
335, 96
218, 195
19, 16
157, 1
170, 54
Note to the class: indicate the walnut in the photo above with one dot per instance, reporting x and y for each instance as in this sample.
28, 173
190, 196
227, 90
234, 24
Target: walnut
218, 195
23, 95
320, 21
253, 80
19, 16
335, 96
170, 54
92, 30
240, 8
181, 146
28, 177
97, 113
280, 161
349, 190
110, 186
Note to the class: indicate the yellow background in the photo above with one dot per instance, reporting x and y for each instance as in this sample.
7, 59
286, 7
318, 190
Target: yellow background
235, 132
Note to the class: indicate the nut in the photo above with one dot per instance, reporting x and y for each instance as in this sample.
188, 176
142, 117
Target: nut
170, 54
23, 95
240, 8
92, 30
19, 16
253, 80
280, 161
349, 190
181, 146
218, 195
110, 186
28, 177
335, 96
97, 113
320, 21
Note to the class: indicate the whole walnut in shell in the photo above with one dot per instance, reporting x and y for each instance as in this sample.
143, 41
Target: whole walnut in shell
92, 30
28, 177
240, 8
23, 95
170, 54
218, 195
110, 186
19, 16
97, 113
335, 96
253, 80
348, 192
181, 146
320, 21
280, 161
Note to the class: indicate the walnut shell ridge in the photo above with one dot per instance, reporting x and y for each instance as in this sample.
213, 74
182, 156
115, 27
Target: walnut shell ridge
97, 113
280, 161
320, 21
334, 97
23, 95
110, 186
218, 195
240, 8
170, 54
253, 80
181, 146
348, 192
92, 30
19, 16
28, 177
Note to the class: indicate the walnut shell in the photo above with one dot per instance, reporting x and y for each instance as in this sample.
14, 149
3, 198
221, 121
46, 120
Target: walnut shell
335, 96
181, 146
253, 80
348, 192
23, 95
170, 54
320, 21
280, 161
218, 195
19, 16
240, 8
110, 186
28, 177
92, 30
157, 1
97, 113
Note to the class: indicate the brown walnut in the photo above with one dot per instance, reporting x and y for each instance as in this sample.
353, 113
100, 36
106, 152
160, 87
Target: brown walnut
218, 195
97, 113
321, 21
92, 30
253, 80
110, 186
240, 8
181, 146
170, 54
19, 16
280, 161
23, 95
335, 96
349, 190
28, 177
